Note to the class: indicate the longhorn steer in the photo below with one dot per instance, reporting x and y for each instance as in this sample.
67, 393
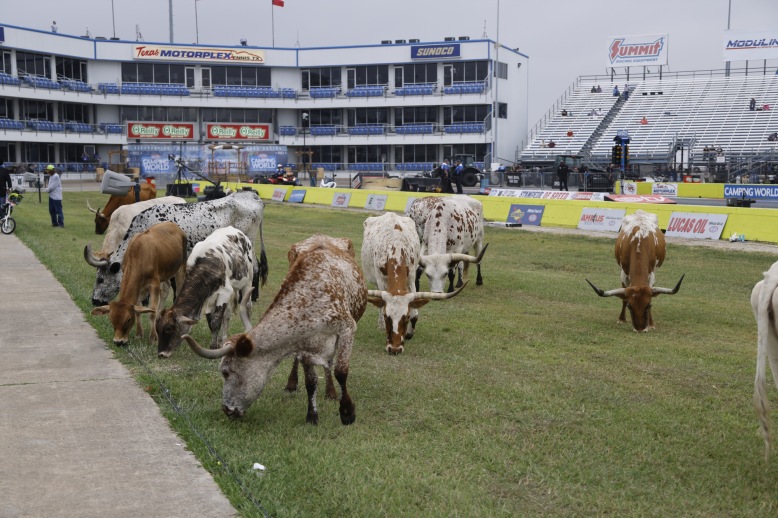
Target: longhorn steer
640, 250
449, 227
218, 279
764, 301
242, 210
153, 257
390, 256
313, 317
103, 216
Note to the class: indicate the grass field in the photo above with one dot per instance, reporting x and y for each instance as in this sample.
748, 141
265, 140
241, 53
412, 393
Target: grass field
521, 397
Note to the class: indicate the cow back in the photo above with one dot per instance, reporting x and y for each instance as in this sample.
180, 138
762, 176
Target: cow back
123, 216
390, 240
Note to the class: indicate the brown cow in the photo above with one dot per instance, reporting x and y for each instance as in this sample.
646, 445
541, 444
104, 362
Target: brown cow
640, 250
153, 257
103, 217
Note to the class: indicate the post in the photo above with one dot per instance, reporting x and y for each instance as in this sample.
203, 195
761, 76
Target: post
197, 25
113, 18
170, 10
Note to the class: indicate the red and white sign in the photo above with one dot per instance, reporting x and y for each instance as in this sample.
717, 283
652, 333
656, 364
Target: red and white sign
664, 189
237, 131
629, 187
341, 199
603, 220
279, 194
638, 198
547, 195
648, 49
225, 55
693, 225
160, 130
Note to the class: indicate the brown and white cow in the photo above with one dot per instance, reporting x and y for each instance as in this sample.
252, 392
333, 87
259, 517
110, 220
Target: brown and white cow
764, 301
448, 227
390, 257
640, 250
313, 317
103, 215
153, 257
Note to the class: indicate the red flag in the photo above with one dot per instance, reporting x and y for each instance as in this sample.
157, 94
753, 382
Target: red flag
279, 3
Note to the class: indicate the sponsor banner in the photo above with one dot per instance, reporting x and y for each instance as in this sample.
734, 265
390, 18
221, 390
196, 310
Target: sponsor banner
760, 192
547, 195
435, 51
297, 196
279, 194
341, 199
190, 53
376, 201
604, 220
237, 131
525, 214
639, 198
664, 189
693, 225
644, 50
743, 45
160, 130
629, 187
152, 158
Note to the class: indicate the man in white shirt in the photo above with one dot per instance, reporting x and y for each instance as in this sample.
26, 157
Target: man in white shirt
54, 27
55, 197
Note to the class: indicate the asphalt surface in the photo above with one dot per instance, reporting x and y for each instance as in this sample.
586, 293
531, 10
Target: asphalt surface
78, 436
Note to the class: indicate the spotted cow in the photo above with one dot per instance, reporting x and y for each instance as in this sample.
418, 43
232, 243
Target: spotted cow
764, 301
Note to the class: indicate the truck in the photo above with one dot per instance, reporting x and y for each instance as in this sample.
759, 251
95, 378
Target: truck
471, 174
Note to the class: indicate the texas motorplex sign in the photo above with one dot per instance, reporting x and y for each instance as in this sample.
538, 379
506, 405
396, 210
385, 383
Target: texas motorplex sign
644, 50
237, 131
761, 192
693, 225
743, 45
435, 51
207, 54
160, 130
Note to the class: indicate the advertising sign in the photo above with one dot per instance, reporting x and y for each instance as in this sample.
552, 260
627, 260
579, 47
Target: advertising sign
639, 198
160, 130
279, 194
152, 157
376, 201
664, 189
693, 225
435, 51
525, 214
604, 220
761, 192
743, 45
341, 199
297, 196
648, 49
547, 195
192, 53
629, 187
237, 131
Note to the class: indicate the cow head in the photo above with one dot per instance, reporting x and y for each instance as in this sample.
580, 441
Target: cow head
401, 312
170, 326
245, 370
109, 277
437, 266
101, 220
638, 300
122, 316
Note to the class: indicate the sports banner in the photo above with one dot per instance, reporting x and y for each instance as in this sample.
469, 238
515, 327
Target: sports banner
525, 214
548, 195
224, 55
279, 194
639, 198
216, 131
692, 225
664, 189
744, 45
376, 201
604, 220
341, 199
643, 50
760, 192
160, 130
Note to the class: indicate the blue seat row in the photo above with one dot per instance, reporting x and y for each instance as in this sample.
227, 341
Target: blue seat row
42, 82
288, 131
415, 129
415, 90
248, 91
7, 79
324, 130
465, 127
326, 167
111, 127
153, 89
11, 124
465, 88
366, 91
414, 166
108, 88
367, 129
40, 125
75, 85
324, 92
367, 166
79, 127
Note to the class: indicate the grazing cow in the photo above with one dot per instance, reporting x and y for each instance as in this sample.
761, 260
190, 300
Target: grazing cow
313, 317
218, 279
153, 257
449, 227
103, 216
640, 250
390, 257
120, 222
243, 210
764, 301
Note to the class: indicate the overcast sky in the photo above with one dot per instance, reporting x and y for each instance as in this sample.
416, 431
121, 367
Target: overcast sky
564, 39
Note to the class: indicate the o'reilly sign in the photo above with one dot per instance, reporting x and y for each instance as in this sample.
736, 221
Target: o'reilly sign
435, 51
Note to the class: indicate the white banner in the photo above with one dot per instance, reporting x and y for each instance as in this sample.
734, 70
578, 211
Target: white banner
279, 194
341, 199
743, 45
693, 225
376, 201
664, 189
604, 220
548, 195
224, 55
639, 51
629, 187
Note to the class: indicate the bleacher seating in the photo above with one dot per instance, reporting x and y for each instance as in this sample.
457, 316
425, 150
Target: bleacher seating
324, 92
108, 88
154, 89
75, 85
367, 166
465, 127
366, 129
287, 131
41, 82
366, 91
318, 131
11, 124
415, 129
79, 127
112, 127
415, 166
288, 93
415, 89
7, 79
465, 88
42, 125
325, 166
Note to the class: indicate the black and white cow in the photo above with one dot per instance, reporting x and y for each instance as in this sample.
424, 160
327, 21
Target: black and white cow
218, 280
242, 210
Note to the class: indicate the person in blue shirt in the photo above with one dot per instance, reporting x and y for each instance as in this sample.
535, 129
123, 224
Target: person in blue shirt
445, 176
458, 171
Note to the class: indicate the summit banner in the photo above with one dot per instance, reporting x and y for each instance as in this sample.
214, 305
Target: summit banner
744, 45
644, 50
193, 53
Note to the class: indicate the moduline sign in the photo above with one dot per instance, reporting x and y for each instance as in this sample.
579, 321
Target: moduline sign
435, 51
160, 131
238, 131
648, 49
761, 192
213, 55
750, 45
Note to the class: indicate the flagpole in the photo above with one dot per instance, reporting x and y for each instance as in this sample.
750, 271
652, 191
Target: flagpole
273, 22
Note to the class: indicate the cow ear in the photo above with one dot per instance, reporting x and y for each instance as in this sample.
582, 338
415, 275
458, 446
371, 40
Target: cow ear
243, 346
186, 320
416, 304
140, 310
102, 310
115, 267
376, 301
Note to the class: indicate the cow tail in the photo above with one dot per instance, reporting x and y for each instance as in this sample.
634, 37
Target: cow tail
765, 326
260, 274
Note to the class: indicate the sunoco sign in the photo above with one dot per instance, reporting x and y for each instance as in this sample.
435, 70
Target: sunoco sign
435, 51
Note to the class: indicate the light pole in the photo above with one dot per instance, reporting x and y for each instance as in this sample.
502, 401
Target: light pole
197, 25
113, 19
305, 150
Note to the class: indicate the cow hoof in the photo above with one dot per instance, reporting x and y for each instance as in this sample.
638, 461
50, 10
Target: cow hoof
312, 419
291, 388
332, 395
479, 282
348, 416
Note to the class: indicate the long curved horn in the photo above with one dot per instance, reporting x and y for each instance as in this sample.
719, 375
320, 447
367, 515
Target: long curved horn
429, 295
455, 258
668, 291
619, 292
91, 209
92, 259
376, 293
211, 354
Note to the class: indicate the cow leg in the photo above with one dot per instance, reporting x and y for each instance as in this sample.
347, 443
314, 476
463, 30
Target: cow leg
215, 321
291, 381
344, 345
310, 387
451, 276
462, 272
245, 310
419, 271
331, 393
622, 316
255, 281
155, 300
650, 320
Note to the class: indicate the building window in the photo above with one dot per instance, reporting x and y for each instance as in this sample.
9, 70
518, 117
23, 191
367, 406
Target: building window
237, 115
479, 151
240, 76
28, 63
7, 152
327, 154
416, 115
465, 113
371, 75
502, 110
153, 73
501, 70
470, 71
360, 154
325, 117
318, 77
357, 116
418, 73
74, 112
6, 109
157, 114
5, 64
416, 153
37, 152
71, 69
36, 110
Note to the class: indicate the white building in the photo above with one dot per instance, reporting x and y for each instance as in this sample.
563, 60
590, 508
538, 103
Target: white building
394, 106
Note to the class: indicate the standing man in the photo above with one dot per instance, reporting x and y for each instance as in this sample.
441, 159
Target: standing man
458, 171
562, 173
55, 197
54, 27
445, 175
5, 184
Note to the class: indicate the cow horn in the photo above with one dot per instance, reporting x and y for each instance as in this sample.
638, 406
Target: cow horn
211, 354
455, 258
619, 292
668, 291
92, 259
91, 209
429, 295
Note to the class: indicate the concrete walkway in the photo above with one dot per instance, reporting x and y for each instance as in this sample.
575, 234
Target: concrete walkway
78, 436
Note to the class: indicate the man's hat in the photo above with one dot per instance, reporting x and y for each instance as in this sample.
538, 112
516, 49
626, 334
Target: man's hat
49, 167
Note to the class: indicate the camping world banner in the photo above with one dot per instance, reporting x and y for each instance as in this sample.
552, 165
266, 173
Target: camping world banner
644, 50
